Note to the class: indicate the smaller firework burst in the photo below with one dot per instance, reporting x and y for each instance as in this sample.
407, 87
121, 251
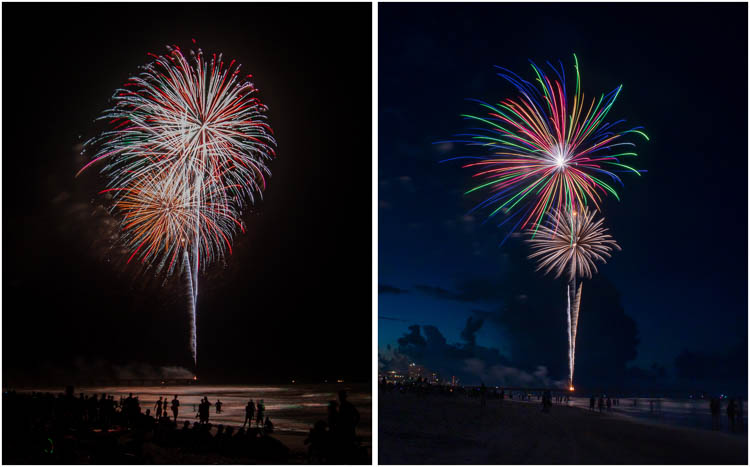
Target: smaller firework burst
161, 219
574, 241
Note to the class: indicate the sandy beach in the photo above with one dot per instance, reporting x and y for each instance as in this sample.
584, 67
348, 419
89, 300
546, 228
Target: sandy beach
439, 430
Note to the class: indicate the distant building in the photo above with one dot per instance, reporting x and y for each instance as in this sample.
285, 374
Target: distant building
392, 376
417, 371
413, 372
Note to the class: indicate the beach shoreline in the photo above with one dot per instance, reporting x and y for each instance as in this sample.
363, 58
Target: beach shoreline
434, 429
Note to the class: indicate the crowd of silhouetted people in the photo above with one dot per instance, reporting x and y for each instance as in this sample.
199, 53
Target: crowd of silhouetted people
603, 402
334, 440
423, 387
44, 428
733, 411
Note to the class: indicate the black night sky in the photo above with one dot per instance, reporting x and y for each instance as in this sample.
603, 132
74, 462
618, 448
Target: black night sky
293, 301
669, 312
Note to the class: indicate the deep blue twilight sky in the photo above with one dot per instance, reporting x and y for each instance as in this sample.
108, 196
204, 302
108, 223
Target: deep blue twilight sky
671, 308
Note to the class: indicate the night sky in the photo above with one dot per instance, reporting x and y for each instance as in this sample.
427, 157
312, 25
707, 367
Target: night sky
670, 310
293, 301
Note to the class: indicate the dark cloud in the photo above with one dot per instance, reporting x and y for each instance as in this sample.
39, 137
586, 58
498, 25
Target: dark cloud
84, 370
638, 375
384, 289
532, 316
527, 311
437, 292
388, 318
472, 326
700, 368
469, 290
470, 362
413, 342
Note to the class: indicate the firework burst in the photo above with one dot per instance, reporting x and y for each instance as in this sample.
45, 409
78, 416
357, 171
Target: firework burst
161, 219
544, 150
574, 241
186, 151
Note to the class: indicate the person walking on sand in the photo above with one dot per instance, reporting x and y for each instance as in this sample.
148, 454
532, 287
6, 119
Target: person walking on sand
175, 407
218, 406
249, 413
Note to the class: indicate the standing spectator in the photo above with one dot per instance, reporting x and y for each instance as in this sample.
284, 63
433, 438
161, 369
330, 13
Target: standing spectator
175, 407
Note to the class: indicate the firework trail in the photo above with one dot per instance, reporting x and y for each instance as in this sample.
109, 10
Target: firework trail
185, 153
545, 150
572, 241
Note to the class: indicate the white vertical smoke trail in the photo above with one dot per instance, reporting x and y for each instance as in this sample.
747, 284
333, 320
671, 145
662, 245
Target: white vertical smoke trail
570, 346
192, 304
574, 307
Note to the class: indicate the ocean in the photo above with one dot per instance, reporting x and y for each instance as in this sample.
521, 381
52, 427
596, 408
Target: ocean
691, 413
293, 408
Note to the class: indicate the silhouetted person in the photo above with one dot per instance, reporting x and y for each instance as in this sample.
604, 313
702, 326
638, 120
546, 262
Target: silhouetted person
218, 406
592, 402
739, 413
203, 411
319, 440
731, 413
601, 404
249, 413
261, 411
158, 408
715, 405
348, 417
609, 404
483, 394
546, 401
268, 426
333, 415
175, 407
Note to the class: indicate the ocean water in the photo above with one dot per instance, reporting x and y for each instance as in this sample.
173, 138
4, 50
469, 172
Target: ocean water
692, 413
293, 408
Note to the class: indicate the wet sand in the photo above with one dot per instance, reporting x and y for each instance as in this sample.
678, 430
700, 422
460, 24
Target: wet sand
441, 430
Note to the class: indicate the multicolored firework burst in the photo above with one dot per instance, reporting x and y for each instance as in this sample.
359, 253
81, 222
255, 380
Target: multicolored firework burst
197, 116
544, 151
161, 219
572, 241
186, 151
